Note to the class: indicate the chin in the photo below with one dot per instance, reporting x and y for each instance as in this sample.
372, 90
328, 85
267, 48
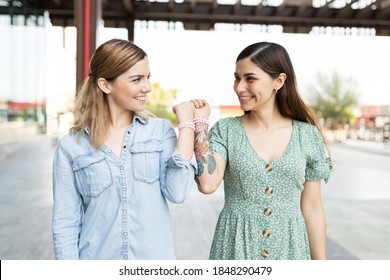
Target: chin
138, 109
245, 107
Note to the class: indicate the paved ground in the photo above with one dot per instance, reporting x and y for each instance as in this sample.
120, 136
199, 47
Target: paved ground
26, 199
357, 199
358, 219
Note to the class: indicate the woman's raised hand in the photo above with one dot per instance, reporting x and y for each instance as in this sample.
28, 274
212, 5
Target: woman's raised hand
202, 108
184, 111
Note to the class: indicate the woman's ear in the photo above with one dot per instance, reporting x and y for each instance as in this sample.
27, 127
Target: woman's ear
104, 85
280, 81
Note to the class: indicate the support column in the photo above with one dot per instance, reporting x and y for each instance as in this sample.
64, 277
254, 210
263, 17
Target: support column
129, 7
88, 14
130, 30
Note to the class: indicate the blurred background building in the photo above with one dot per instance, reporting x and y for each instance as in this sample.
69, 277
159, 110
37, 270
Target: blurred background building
42, 64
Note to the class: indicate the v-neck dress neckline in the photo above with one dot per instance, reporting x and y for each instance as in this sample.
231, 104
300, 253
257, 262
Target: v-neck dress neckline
279, 157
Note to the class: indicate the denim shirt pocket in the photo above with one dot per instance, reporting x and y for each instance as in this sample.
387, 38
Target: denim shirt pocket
93, 173
146, 160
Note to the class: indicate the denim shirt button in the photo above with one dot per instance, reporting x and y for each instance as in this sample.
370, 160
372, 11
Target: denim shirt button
121, 167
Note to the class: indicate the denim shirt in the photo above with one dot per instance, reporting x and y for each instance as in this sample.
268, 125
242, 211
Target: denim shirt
107, 207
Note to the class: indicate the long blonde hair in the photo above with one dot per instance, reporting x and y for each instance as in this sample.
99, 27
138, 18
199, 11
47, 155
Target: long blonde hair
109, 61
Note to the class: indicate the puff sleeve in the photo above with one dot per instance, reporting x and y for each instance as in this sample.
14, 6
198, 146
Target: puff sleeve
218, 139
318, 165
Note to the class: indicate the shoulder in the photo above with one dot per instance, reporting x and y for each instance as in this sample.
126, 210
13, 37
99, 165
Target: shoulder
228, 122
306, 130
226, 129
157, 122
71, 140
304, 126
155, 128
74, 144
309, 134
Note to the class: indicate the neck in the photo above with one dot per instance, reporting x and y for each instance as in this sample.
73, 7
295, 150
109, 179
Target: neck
121, 120
267, 120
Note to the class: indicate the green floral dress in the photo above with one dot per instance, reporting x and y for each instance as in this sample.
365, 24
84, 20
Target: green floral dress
262, 218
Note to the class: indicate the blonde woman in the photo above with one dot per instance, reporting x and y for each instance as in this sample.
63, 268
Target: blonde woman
118, 166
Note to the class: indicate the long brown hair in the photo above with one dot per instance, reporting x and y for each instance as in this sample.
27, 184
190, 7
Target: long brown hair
273, 59
110, 60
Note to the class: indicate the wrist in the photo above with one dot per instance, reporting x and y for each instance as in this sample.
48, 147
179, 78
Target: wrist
201, 116
198, 120
190, 125
201, 124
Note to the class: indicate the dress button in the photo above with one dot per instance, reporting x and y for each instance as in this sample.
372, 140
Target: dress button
269, 190
266, 232
125, 257
268, 167
264, 254
267, 211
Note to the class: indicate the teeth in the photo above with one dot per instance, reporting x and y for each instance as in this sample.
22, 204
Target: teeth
141, 98
245, 97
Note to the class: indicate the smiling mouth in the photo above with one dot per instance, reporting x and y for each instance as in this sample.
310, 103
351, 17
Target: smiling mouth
245, 98
141, 98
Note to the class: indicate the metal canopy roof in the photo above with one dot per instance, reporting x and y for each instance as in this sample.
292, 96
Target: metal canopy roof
296, 16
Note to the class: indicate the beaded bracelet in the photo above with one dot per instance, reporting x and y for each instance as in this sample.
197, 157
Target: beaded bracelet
186, 124
201, 120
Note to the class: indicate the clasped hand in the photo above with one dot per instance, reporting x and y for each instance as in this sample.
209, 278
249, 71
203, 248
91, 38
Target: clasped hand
195, 108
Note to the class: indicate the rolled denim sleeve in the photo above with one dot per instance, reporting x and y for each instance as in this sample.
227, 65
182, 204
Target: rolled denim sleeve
67, 208
177, 174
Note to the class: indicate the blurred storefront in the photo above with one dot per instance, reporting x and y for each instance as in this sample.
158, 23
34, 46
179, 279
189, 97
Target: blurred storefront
24, 64
372, 124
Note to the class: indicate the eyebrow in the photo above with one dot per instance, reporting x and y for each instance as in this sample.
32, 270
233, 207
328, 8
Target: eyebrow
139, 75
246, 74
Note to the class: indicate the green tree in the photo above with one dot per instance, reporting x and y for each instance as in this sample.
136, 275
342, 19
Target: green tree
333, 99
160, 102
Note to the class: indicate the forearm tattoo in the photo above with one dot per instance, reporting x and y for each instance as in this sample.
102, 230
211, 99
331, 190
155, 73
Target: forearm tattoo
202, 152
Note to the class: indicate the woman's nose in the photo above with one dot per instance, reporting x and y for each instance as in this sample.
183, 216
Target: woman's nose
147, 86
239, 86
